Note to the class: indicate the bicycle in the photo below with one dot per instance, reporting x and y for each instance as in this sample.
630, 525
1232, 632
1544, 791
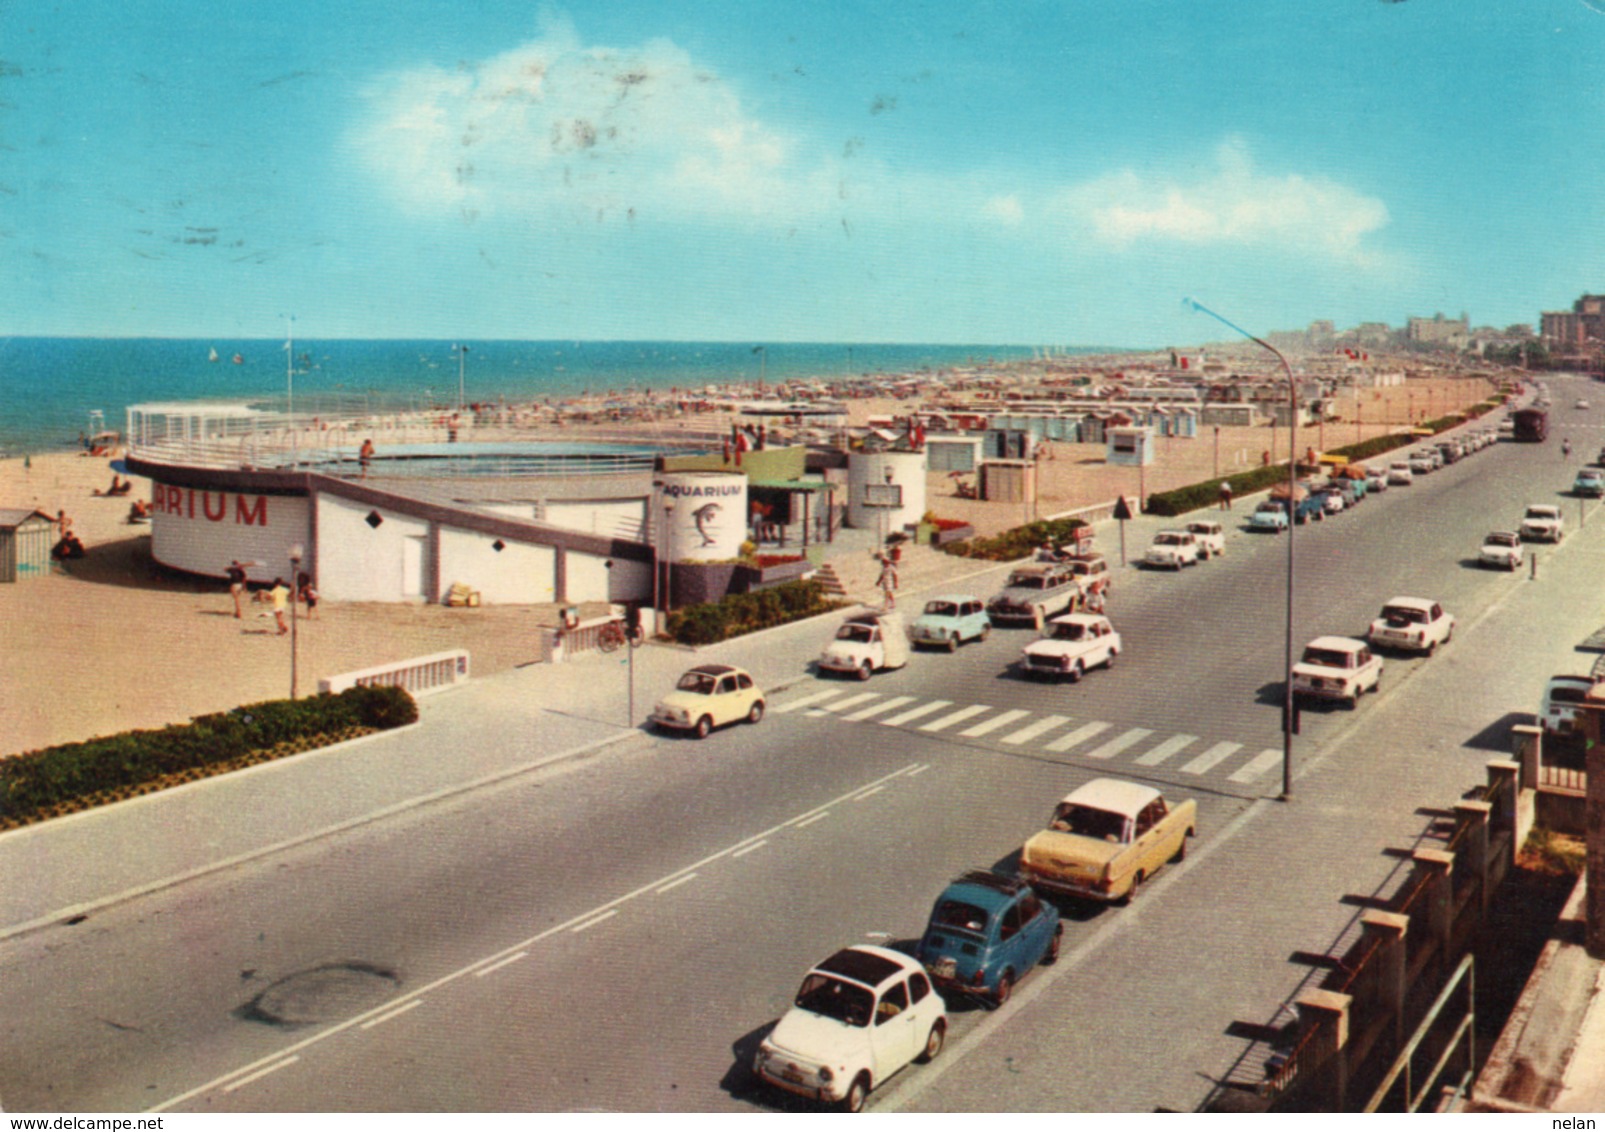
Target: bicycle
610, 636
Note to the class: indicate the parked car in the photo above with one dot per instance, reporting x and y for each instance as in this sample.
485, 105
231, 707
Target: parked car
950, 620
1173, 550
1334, 500
709, 696
1336, 668
867, 643
1421, 463
1557, 713
1590, 482
1211, 536
859, 1017
1542, 523
1377, 481
1413, 623
1400, 474
1106, 839
1503, 549
985, 933
1035, 592
1070, 645
1091, 572
1449, 450
1270, 515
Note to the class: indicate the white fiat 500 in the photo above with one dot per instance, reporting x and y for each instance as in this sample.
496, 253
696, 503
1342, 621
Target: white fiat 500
1413, 623
859, 1017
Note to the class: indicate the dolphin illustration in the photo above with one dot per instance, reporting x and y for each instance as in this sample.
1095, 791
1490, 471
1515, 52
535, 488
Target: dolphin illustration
703, 516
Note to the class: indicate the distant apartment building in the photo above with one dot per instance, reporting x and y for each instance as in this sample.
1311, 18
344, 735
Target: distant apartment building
1372, 334
1440, 331
1571, 331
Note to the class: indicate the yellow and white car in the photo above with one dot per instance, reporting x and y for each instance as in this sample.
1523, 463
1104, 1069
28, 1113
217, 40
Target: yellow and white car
1106, 838
709, 696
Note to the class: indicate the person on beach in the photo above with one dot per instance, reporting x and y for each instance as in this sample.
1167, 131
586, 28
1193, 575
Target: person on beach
236, 585
280, 593
305, 593
365, 456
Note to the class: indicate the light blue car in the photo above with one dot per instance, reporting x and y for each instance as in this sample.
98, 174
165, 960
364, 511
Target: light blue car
1589, 481
1269, 516
950, 620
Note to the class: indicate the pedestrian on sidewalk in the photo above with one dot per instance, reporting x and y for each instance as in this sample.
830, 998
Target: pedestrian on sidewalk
1225, 495
887, 582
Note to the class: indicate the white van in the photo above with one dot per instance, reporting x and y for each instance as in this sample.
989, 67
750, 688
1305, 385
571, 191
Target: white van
867, 642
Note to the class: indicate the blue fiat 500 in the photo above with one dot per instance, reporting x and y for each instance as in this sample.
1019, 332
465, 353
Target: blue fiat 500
950, 620
986, 932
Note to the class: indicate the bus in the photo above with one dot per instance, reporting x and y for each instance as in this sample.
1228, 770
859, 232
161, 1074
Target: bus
1530, 425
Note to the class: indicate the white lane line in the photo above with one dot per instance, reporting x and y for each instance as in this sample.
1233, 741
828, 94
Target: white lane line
673, 884
1026, 734
1119, 743
993, 724
1210, 757
870, 793
483, 971
895, 701
1079, 735
593, 921
797, 705
921, 769
951, 718
1256, 766
259, 1074
745, 849
398, 1011
915, 713
850, 701
1162, 752
275, 1060
821, 816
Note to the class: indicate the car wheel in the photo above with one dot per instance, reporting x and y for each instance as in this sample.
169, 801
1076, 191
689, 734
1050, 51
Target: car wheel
986, 631
1110, 663
1181, 849
1074, 675
1450, 635
1354, 700
864, 670
704, 726
1136, 887
953, 643
1054, 945
934, 1041
857, 1094
1005, 989
755, 712
1432, 648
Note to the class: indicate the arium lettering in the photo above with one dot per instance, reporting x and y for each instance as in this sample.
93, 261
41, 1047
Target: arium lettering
186, 502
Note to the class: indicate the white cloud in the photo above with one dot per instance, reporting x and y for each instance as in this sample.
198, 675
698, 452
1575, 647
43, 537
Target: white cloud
1006, 209
614, 132
1232, 204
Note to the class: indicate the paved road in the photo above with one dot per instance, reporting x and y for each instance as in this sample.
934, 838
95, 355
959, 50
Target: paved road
618, 932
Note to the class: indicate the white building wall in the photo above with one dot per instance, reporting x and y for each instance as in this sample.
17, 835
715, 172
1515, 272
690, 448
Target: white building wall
588, 577
202, 531
519, 573
612, 518
365, 563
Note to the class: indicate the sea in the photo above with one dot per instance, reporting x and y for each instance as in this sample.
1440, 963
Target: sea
54, 390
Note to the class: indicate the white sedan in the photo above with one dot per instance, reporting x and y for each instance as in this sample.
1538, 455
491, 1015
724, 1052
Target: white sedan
1400, 475
1413, 623
1336, 668
1503, 549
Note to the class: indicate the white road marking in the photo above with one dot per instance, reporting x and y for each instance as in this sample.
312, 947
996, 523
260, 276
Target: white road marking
594, 920
673, 884
953, 717
994, 723
796, 705
744, 850
1081, 734
921, 769
1026, 734
848, 702
497, 966
1210, 757
1162, 752
870, 793
1256, 766
260, 1073
1118, 743
821, 816
915, 713
895, 701
398, 1011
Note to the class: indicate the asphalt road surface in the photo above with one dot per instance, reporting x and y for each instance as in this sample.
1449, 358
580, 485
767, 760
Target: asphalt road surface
619, 932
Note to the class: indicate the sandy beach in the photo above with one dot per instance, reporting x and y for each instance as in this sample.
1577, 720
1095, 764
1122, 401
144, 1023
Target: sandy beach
120, 643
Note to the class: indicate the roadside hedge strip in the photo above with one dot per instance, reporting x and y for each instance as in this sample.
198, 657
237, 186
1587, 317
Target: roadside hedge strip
1017, 542
737, 614
35, 781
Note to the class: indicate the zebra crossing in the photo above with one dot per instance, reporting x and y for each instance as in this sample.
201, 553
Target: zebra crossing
1016, 727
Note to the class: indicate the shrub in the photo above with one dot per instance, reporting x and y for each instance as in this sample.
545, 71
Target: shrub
1018, 542
738, 614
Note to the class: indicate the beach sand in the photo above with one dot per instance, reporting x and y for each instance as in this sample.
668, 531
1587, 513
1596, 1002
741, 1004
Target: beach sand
119, 643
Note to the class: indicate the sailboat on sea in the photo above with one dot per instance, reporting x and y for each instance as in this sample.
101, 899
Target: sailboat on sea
211, 355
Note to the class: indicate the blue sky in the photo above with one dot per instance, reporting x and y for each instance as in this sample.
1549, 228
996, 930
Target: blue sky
1009, 171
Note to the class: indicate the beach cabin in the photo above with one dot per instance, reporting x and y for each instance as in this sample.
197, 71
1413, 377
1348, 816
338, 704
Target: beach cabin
25, 540
1129, 445
953, 453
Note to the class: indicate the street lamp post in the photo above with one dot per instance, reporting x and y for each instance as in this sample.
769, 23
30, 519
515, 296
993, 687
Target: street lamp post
668, 557
297, 552
1217, 452
1288, 708
462, 358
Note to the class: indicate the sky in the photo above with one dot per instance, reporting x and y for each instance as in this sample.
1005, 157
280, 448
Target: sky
1032, 172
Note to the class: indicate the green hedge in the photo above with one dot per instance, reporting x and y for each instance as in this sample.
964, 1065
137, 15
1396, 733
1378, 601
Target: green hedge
737, 614
37, 780
1018, 542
